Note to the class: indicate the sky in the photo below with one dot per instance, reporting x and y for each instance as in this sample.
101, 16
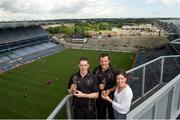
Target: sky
15, 10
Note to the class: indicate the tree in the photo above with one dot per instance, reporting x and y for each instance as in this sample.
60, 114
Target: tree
104, 26
67, 31
78, 30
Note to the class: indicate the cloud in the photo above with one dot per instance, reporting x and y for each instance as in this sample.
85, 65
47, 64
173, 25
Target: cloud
164, 2
11, 10
57, 9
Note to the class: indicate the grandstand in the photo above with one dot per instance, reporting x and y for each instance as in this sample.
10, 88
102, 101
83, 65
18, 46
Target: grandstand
23, 44
172, 30
118, 43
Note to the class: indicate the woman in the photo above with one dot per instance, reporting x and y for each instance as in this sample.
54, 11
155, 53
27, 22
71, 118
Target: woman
122, 96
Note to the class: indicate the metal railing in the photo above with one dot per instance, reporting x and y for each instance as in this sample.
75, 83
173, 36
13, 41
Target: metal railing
65, 101
176, 41
143, 79
164, 104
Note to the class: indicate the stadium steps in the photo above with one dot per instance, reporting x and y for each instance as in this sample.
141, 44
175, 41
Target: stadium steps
23, 55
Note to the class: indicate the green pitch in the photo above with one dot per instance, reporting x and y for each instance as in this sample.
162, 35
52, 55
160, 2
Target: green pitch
34, 90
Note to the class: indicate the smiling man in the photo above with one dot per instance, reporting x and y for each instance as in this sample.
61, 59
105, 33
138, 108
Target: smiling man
105, 75
84, 87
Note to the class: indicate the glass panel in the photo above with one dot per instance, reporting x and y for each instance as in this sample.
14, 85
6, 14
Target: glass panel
135, 82
152, 75
171, 68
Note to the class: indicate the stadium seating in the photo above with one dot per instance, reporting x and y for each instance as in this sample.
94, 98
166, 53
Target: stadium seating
26, 54
24, 44
22, 33
13, 38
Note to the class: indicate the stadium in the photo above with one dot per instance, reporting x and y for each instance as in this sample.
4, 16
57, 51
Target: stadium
35, 70
40, 70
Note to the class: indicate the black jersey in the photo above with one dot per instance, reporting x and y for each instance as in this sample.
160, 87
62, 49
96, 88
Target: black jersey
106, 77
88, 84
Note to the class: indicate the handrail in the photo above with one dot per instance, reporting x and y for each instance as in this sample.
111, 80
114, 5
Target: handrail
60, 105
147, 63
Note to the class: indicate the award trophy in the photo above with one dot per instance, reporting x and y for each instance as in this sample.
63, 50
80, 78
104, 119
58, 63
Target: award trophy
75, 84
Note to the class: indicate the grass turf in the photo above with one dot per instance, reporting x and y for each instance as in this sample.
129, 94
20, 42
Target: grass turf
24, 92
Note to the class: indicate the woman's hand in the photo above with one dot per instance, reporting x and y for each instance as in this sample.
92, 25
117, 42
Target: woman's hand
106, 97
107, 92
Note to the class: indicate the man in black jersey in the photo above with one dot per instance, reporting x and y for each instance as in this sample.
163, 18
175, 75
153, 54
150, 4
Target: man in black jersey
105, 75
84, 87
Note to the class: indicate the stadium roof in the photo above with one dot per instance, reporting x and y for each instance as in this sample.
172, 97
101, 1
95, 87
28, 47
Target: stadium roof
14, 24
17, 24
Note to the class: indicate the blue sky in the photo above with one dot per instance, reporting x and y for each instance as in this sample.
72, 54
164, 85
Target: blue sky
57, 9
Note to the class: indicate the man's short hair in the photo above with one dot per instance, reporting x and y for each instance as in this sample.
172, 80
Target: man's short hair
104, 55
83, 59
